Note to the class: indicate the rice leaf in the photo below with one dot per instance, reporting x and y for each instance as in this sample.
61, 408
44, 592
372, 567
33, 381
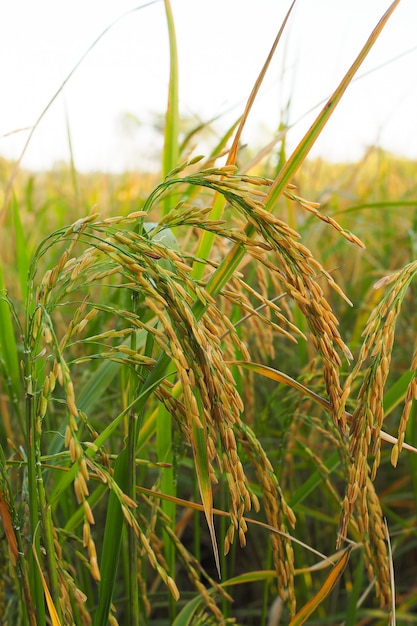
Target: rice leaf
219, 202
199, 440
22, 260
309, 608
354, 596
8, 346
185, 617
269, 372
171, 148
55, 621
303, 148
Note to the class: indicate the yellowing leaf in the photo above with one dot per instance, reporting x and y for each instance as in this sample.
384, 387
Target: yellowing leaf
323, 592
280, 377
55, 621
199, 445
8, 529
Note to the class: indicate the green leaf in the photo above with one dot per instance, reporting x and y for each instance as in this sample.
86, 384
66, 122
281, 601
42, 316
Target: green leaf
112, 541
22, 261
8, 346
219, 203
171, 147
303, 148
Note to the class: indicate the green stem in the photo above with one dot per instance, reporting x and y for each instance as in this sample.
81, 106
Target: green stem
7, 494
168, 485
48, 538
133, 610
112, 542
34, 513
8, 347
171, 149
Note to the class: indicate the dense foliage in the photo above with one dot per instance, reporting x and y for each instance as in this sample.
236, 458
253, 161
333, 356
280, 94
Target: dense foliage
199, 372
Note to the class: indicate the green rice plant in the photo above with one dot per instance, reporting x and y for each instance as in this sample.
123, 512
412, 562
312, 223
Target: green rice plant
129, 375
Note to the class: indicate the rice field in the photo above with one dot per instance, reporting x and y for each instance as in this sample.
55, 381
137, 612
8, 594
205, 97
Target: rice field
207, 384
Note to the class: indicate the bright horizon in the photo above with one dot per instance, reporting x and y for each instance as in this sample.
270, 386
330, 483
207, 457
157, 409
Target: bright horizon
120, 89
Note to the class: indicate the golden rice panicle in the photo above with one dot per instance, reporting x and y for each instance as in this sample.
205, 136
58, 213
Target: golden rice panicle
356, 489
261, 315
323, 324
279, 515
92, 555
240, 500
295, 261
81, 492
376, 549
156, 544
410, 397
71, 596
367, 420
365, 511
77, 457
298, 271
313, 207
148, 549
143, 590
209, 393
195, 572
378, 344
264, 340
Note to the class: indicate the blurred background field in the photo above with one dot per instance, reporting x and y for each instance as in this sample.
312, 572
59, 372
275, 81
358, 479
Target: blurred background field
374, 198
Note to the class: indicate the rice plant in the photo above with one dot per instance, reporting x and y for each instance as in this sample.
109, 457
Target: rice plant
135, 468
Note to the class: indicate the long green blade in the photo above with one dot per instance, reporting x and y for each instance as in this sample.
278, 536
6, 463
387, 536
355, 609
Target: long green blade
8, 346
171, 149
305, 145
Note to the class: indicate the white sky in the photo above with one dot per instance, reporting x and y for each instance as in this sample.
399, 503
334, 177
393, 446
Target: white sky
222, 46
